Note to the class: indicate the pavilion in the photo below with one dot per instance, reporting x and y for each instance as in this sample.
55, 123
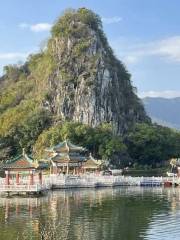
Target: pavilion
66, 157
20, 168
91, 164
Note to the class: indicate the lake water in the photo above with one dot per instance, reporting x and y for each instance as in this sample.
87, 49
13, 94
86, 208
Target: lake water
102, 214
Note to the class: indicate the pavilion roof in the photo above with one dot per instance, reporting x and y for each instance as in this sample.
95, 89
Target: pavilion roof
22, 161
68, 158
66, 146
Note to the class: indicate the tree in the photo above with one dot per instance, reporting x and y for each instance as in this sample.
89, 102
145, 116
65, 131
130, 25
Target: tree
152, 144
32, 127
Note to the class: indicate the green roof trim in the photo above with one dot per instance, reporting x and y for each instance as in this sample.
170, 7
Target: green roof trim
22, 161
12, 160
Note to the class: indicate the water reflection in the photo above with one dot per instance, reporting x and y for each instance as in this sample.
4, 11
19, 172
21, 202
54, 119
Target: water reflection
108, 214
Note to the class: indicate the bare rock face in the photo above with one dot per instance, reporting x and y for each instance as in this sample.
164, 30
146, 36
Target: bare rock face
89, 84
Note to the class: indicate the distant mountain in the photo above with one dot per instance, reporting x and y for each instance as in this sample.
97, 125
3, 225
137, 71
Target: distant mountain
164, 111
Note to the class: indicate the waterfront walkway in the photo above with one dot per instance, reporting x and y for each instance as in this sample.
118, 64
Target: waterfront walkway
83, 181
104, 181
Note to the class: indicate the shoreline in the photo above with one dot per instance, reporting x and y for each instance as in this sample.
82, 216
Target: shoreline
55, 182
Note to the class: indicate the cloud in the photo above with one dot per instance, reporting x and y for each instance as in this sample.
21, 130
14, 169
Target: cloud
163, 94
167, 49
110, 20
13, 56
39, 27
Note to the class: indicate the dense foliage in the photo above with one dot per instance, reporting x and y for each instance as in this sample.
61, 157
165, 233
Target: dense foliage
152, 144
63, 25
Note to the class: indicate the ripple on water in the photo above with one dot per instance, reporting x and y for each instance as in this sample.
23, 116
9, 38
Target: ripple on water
103, 214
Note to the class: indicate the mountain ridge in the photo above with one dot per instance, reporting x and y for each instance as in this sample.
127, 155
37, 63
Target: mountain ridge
165, 111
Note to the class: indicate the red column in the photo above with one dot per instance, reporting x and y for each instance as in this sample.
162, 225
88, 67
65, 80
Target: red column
17, 208
40, 177
7, 177
17, 178
55, 170
7, 210
31, 179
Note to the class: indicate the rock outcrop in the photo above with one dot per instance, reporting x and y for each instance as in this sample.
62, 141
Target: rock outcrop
89, 84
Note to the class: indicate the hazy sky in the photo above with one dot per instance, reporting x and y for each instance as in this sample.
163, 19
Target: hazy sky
145, 35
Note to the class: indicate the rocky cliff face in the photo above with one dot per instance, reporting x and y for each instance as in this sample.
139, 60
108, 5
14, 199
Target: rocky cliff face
89, 84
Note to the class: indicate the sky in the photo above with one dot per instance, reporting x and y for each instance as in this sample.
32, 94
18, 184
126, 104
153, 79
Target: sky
144, 34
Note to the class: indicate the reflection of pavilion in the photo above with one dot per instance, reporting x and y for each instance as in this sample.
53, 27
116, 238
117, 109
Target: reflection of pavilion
100, 212
66, 157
